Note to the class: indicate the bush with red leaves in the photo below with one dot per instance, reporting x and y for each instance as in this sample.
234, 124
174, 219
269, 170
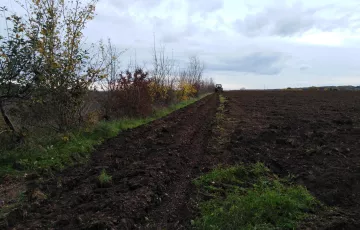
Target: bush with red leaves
131, 96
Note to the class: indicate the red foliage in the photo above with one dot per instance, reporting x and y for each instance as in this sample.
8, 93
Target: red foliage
132, 93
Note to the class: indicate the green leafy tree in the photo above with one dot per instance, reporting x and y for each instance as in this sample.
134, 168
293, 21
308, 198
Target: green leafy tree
56, 28
17, 66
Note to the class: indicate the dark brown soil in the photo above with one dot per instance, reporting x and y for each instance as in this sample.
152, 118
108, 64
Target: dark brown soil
151, 168
313, 136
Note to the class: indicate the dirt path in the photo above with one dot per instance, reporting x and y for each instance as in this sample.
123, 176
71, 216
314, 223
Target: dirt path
151, 168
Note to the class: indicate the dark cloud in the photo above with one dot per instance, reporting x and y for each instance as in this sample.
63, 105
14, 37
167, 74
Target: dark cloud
255, 63
287, 21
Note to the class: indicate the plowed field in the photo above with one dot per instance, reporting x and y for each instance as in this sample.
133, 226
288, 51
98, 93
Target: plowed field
312, 136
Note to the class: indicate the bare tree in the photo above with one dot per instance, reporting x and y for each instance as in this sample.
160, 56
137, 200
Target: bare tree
162, 65
110, 58
163, 72
110, 65
195, 70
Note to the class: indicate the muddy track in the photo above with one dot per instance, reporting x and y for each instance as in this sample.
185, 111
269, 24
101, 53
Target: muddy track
151, 167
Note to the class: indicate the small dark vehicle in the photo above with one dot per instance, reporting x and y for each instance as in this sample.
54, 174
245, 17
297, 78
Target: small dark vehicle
218, 88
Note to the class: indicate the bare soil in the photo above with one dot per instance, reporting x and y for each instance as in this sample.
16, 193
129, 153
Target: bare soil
151, 167
312, 136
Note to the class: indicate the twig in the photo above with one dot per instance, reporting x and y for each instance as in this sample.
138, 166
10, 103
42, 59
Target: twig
1, 132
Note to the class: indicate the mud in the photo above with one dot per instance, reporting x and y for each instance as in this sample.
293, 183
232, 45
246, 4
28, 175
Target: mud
313, 137
151, 168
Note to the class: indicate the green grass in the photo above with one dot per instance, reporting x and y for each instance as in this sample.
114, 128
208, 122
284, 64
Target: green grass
104, 178
250, 197
222, 99
55, 152
220, 110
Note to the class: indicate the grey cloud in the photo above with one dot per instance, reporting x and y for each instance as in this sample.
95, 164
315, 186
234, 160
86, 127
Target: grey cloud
286, 21
158, 22
201, 27
123, 15
148, 3
304, 67
256, 63
170, 38
171, 34
138, 3
205, 6
194, 6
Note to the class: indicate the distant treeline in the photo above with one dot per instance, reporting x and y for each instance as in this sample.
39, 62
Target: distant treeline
327, 88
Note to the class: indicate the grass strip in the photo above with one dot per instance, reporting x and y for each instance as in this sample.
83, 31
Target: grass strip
250, 197
59, 151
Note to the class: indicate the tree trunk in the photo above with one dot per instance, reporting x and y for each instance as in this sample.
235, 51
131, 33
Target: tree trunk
6, 118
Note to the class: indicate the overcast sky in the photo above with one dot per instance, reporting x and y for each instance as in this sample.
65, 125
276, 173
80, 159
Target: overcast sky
251, 44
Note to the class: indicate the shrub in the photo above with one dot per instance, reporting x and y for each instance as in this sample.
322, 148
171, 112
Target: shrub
186, 91
133, 94
159, 93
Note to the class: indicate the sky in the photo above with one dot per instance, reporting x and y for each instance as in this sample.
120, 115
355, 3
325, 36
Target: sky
244, 44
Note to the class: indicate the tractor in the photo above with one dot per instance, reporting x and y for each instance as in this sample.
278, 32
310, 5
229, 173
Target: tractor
218, 88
